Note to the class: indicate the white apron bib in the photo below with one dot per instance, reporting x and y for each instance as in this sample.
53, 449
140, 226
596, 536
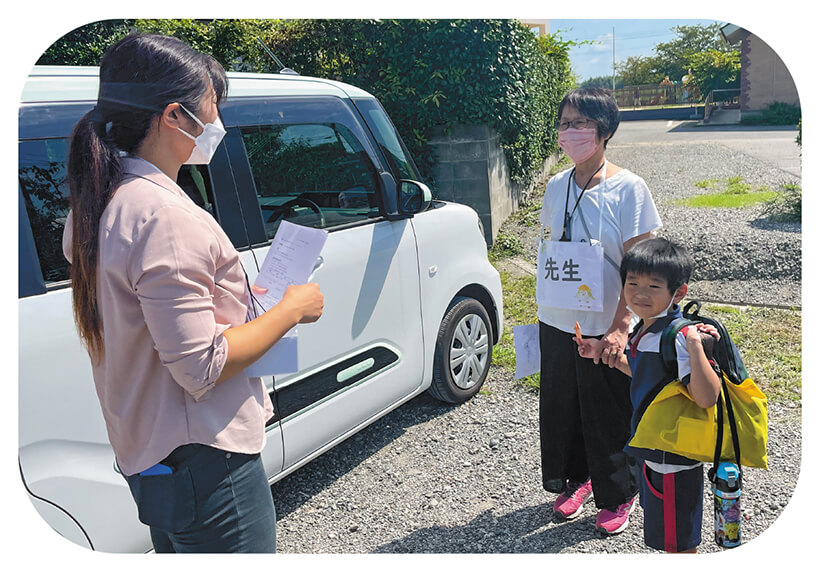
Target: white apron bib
570, 275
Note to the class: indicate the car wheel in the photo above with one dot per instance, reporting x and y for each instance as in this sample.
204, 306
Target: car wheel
463, 351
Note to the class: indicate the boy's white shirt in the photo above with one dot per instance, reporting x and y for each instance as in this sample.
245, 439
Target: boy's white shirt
628, 211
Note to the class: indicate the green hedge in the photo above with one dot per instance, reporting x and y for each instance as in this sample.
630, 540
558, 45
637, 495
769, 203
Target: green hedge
775, 114
426, 73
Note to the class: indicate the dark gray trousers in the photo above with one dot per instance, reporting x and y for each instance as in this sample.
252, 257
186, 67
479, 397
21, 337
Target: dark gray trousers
214, 502
584, 416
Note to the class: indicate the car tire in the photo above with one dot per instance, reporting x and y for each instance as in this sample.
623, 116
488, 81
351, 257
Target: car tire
464, 351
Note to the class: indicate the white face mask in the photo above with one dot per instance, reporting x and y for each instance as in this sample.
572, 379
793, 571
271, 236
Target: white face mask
662, 314
206, 142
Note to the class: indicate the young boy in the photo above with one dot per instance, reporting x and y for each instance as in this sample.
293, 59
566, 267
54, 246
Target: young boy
654, 274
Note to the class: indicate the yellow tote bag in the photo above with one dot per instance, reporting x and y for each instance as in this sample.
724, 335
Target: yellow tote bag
673, 422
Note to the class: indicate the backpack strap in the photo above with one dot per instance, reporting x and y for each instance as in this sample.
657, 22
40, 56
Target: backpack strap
725, 352
732, 425
669, 356
668, 353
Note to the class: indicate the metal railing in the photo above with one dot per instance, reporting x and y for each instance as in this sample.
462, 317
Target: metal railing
728, 99
654, 95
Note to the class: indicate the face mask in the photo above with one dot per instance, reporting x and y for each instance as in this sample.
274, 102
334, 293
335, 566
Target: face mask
206, 142
578, 144
662, 314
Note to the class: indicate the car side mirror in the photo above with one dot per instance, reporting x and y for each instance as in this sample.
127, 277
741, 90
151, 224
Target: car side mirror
414, 197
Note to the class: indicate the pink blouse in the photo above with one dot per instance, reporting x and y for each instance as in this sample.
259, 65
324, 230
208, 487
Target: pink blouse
169, 284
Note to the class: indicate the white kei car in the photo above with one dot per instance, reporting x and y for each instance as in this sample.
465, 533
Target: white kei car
411, 301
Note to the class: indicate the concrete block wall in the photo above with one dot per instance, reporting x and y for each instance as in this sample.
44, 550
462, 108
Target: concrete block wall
472, 170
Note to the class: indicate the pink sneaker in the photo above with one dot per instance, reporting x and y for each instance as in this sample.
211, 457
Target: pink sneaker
569, 503
612, 522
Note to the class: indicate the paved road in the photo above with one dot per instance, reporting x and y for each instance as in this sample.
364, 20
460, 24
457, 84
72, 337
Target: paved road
774, 145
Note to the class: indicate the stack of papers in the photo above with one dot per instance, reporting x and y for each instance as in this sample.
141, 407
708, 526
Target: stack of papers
290, 260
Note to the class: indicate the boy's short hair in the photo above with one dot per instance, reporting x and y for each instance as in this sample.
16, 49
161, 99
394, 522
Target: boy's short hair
659, 256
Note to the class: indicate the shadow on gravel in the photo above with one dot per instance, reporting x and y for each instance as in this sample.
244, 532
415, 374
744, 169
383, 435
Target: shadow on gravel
520, 531
294, 490
768, 224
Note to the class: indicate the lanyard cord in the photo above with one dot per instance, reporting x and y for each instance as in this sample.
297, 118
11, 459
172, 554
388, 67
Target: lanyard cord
568, 216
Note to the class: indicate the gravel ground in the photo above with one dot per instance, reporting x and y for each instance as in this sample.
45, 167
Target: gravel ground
436, 478
433, 478
740, 256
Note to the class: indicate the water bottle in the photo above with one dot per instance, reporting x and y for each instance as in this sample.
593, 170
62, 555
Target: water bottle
726, 491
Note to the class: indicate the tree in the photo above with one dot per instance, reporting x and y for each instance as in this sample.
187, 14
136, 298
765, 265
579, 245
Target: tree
638, 70
673, 58
602, 82
85, 45
427, 73
715, 70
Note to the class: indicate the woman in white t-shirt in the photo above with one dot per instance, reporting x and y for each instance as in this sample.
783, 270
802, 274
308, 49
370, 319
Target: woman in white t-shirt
595, 212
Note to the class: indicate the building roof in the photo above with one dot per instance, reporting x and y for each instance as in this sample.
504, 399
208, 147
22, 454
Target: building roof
731, 33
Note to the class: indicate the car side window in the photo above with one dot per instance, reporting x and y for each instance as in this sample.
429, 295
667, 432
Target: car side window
315, 174
195, 181
42, 175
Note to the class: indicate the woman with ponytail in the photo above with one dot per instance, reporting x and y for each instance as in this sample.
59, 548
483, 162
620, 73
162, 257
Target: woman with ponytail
162, 304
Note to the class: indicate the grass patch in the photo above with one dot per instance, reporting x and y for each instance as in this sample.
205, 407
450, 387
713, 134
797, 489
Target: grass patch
707, 184
736, 185
731, 193
776, 114
770, 340
519, 309
729, 200
528, 214
505, 245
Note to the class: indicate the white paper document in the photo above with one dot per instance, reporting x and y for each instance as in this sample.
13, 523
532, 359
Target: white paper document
290, 261
527, 350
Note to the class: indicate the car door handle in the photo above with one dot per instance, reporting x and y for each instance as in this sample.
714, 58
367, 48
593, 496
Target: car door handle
355, 370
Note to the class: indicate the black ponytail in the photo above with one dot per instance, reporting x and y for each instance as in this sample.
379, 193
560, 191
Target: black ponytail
94, 169
139, 76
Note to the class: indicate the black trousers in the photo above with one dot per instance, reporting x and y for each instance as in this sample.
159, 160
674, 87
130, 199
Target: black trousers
584, 417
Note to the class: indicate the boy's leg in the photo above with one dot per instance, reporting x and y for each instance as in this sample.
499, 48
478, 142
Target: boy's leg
673, 509
563, 453
606, 411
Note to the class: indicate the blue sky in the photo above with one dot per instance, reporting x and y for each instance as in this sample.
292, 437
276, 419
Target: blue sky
632, 38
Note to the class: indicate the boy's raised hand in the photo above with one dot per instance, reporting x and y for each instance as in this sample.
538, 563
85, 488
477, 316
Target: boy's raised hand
706, 334
588, 347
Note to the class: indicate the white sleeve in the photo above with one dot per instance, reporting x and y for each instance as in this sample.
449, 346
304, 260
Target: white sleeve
638, 214
684, 369
546, 206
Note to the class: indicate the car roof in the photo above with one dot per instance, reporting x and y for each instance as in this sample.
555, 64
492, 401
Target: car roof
81, 83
